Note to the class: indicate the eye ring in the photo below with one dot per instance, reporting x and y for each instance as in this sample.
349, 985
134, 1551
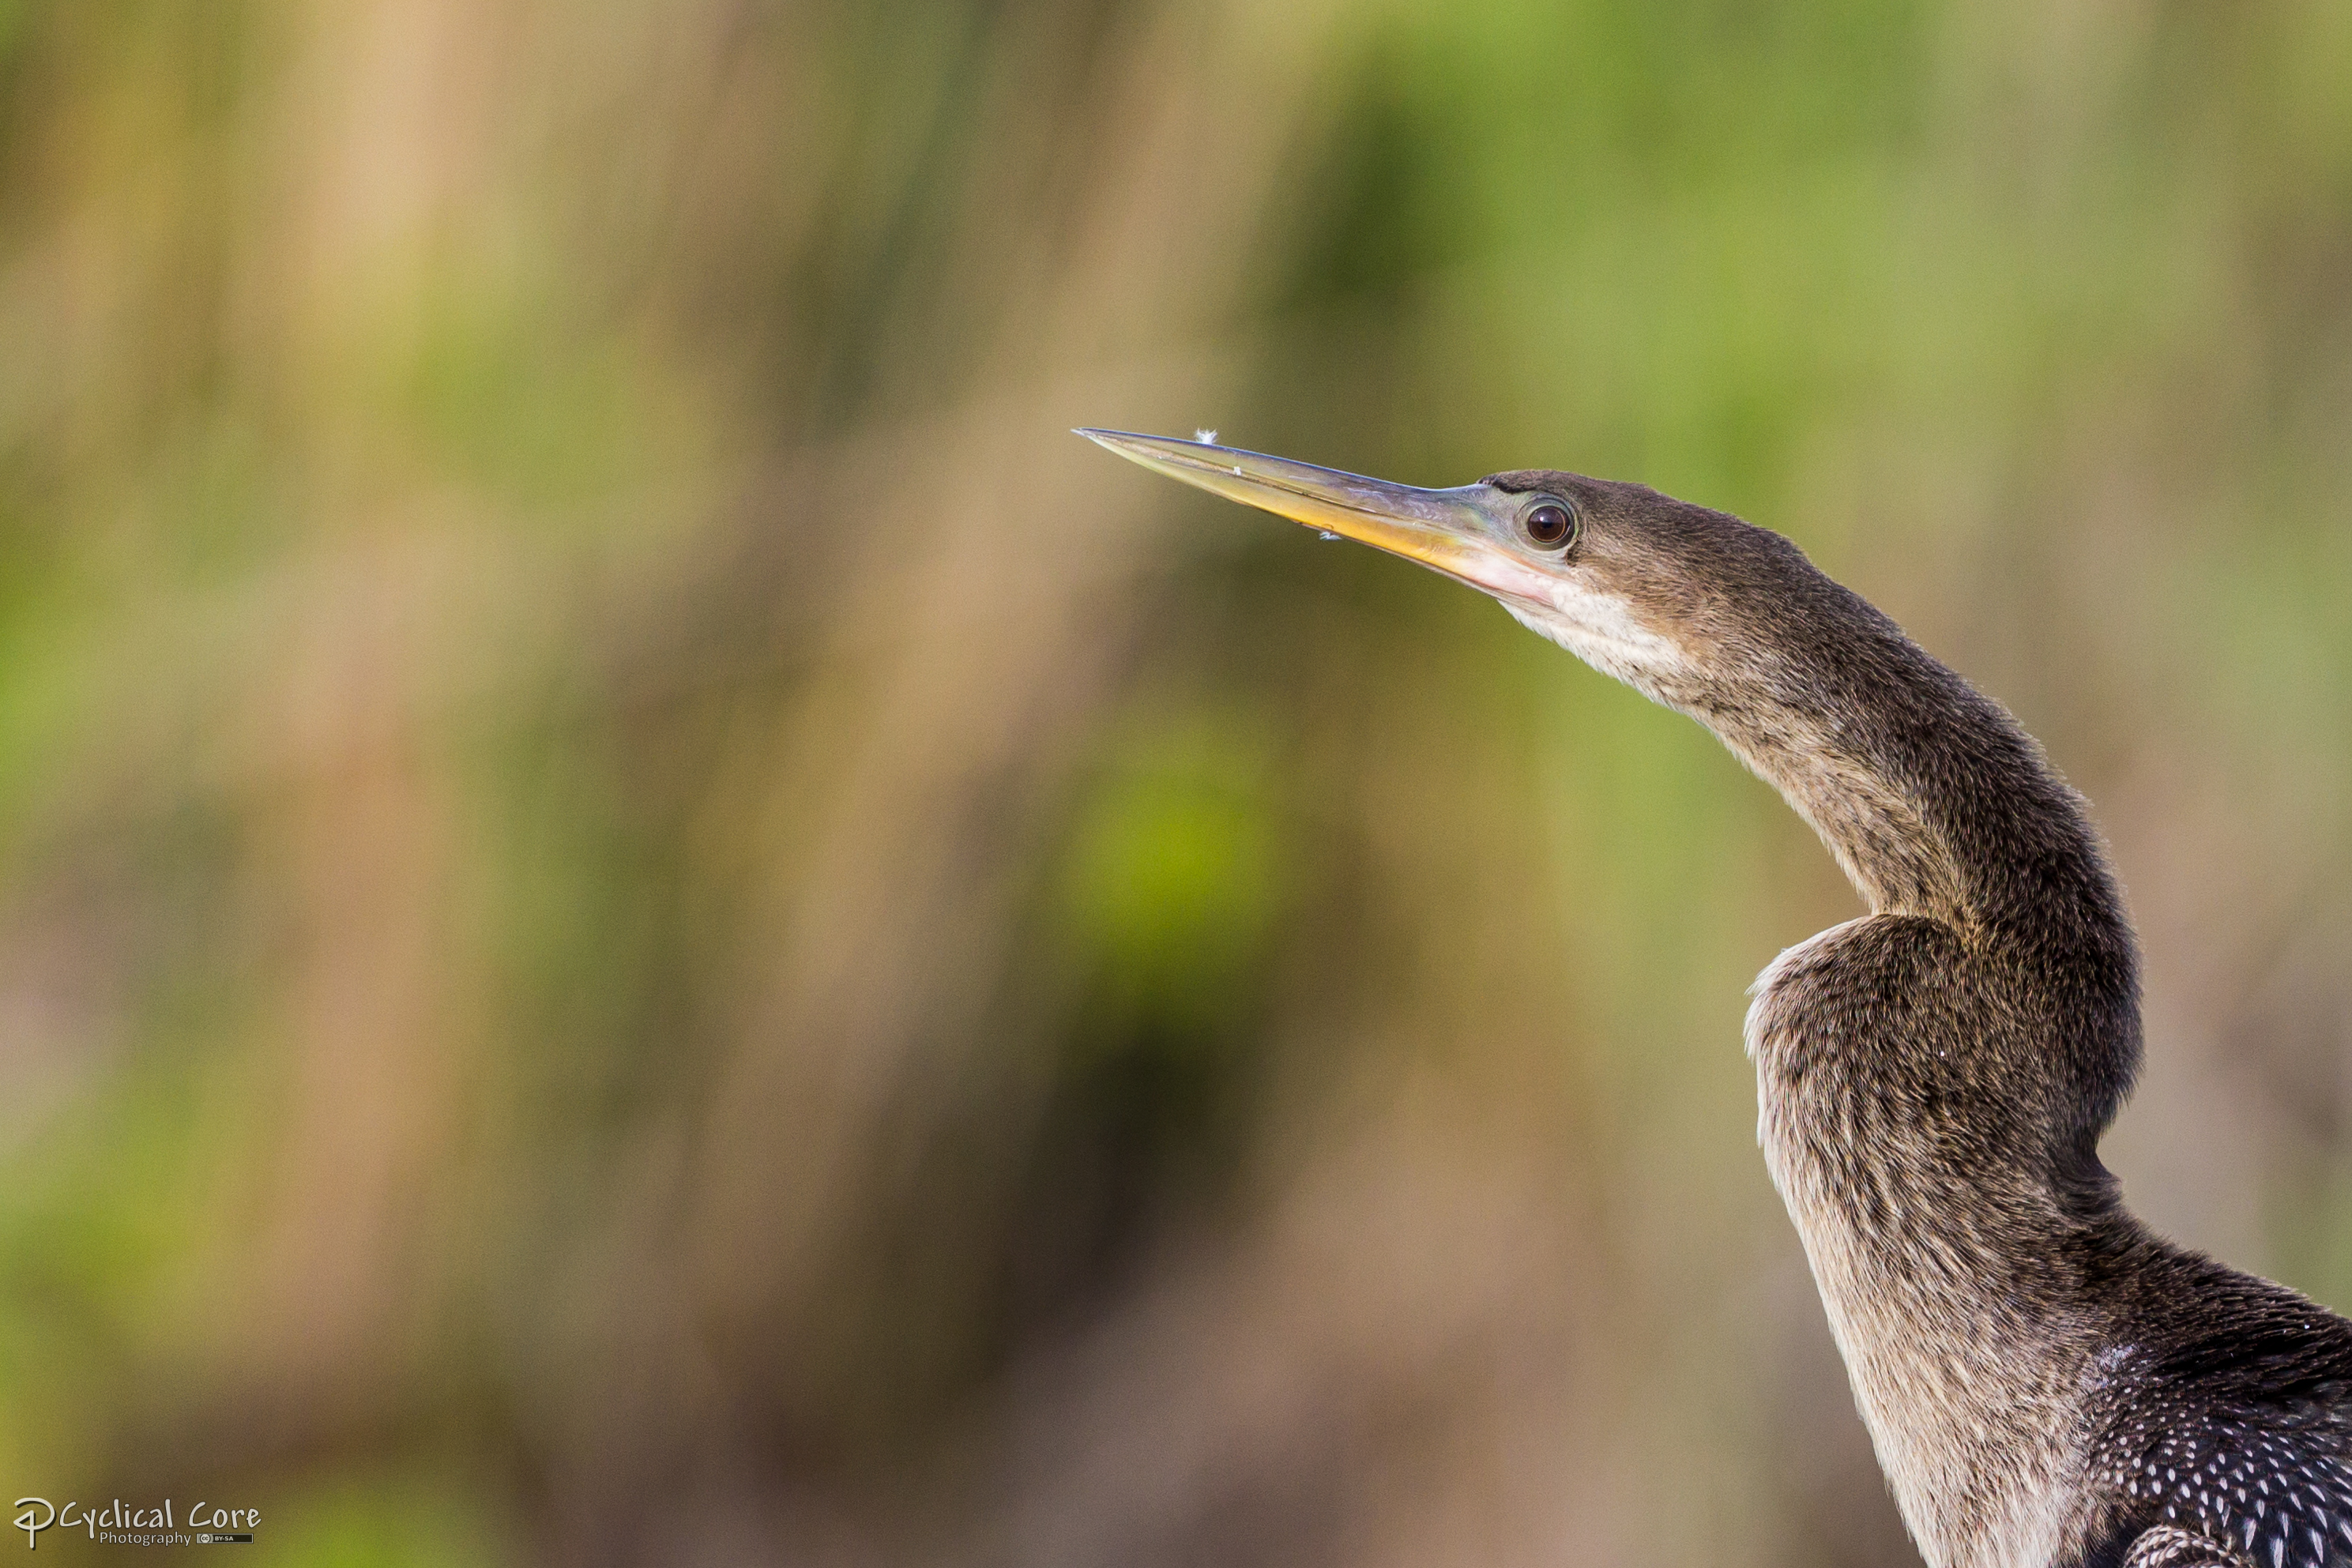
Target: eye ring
1549, 524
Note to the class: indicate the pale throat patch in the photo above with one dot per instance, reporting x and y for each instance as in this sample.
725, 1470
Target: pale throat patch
1601, 630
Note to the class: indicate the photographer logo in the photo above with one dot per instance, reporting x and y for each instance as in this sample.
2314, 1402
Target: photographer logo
119, 1523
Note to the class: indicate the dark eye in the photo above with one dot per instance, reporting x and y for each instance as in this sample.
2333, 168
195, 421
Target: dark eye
1549, 524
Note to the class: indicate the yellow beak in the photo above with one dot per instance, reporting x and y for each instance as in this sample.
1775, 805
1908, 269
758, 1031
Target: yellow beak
1460, 532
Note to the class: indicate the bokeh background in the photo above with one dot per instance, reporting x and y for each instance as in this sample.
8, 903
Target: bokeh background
645, 919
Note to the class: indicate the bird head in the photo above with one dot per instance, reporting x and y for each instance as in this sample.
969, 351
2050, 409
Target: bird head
1662, 594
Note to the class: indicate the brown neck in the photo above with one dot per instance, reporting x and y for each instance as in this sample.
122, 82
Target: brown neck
1931, 797
1938, 805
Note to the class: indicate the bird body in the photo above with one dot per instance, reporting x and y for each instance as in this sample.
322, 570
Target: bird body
2047, 1384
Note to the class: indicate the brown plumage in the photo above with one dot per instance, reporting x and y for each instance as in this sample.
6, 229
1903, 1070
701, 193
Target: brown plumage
2048, 1384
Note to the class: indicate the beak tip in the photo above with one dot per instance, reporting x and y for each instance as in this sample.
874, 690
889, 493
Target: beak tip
1141, 449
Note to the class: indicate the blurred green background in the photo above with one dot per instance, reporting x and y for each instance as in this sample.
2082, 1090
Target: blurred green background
645, 919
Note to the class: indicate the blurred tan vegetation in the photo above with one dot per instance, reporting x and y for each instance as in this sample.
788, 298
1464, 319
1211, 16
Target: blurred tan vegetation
645, 919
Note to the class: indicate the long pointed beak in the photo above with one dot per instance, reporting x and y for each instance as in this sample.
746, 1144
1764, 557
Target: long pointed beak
1445, 530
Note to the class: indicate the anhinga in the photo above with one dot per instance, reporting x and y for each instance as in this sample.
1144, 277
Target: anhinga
2048, 1384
